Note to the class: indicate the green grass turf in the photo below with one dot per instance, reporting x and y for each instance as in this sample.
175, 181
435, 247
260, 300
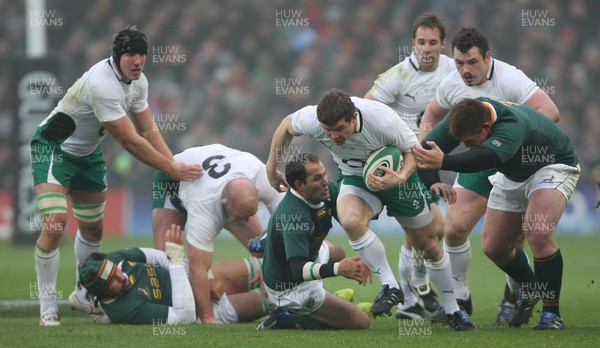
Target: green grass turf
579, 307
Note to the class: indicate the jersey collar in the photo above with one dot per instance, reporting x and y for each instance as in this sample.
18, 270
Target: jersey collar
313, 206
359, 122
414, 62
116, 71
492, 111
490, 72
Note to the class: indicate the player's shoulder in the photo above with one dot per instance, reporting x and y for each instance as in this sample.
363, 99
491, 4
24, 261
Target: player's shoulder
451, 82
101, 80
505, 71
446, 63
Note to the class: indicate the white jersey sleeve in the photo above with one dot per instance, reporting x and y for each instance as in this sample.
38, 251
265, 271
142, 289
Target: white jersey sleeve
305, 122
504, 82
105, 103
514, 85
389, 84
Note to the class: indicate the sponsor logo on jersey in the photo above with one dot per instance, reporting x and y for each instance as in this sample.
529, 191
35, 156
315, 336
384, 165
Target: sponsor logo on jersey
496, 142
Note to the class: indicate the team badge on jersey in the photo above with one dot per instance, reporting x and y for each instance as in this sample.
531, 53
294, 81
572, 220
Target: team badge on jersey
496, 142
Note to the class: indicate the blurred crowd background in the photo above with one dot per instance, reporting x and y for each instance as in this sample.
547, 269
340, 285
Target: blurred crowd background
228, 71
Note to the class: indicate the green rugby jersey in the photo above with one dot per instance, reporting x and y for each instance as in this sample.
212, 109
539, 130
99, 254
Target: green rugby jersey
523, 138
295, 229
149, 300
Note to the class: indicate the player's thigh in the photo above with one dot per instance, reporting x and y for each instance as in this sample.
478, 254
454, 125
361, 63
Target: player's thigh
501, 232
539, 223
162, 219
462, 216
238, 275
354, 213
341, 314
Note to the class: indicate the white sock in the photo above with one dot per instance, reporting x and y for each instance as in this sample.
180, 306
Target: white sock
419, 275
460, 259
371, 250
404, 270
83, 248
46, 270
441, 275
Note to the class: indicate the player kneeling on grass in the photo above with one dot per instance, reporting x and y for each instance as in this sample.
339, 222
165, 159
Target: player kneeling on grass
292, 272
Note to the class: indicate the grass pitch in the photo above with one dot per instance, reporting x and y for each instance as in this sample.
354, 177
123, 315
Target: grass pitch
579, 307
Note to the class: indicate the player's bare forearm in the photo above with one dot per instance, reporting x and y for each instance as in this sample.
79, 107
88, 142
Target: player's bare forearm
199, 264
431, 117
409, 166
125, 133
148, 129
281, 138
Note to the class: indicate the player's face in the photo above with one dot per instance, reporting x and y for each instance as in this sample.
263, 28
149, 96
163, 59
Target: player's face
472, 66
315, 190
132, 65
341, 131
428, 46
475, 139
119, 284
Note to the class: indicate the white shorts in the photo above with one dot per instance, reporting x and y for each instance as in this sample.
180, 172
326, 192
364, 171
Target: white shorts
304, 298
422, 219
513, 196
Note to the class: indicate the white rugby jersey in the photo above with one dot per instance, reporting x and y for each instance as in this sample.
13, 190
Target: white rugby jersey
202, 197
504, 82
408, 90
98, 96
378, 125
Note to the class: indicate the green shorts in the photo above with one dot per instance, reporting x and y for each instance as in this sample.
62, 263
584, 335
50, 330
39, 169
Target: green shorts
164, 191
49, 164
407, 201
477, 182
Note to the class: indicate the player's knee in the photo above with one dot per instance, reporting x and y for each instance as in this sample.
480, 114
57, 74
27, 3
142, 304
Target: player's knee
539, 241
336, 252
456, 233
497, 254
361, 321
353, 225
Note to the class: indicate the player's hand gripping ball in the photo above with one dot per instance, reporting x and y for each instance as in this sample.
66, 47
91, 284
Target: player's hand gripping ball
387, 156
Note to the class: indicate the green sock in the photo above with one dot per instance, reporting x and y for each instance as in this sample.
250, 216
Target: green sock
519, 269
549, 274
301, 321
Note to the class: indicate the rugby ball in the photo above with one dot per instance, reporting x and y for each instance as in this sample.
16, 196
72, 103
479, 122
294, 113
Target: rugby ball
387, 156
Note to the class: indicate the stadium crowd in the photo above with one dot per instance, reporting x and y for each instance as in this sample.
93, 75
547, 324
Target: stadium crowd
229, 71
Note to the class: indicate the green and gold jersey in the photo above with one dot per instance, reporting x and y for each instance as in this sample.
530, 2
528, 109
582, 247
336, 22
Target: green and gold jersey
296, 229
523, 138
149, 300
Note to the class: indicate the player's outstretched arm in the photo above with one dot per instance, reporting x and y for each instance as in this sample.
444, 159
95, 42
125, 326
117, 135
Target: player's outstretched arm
281, 138
125, 133
542, 102
432, 116
146, 127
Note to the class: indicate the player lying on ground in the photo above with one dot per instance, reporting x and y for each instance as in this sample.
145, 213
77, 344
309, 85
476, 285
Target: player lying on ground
235, 285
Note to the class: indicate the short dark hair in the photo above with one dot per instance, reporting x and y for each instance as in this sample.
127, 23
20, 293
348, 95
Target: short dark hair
296, 169
467, 117
335, 106
429, 20
466, 38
